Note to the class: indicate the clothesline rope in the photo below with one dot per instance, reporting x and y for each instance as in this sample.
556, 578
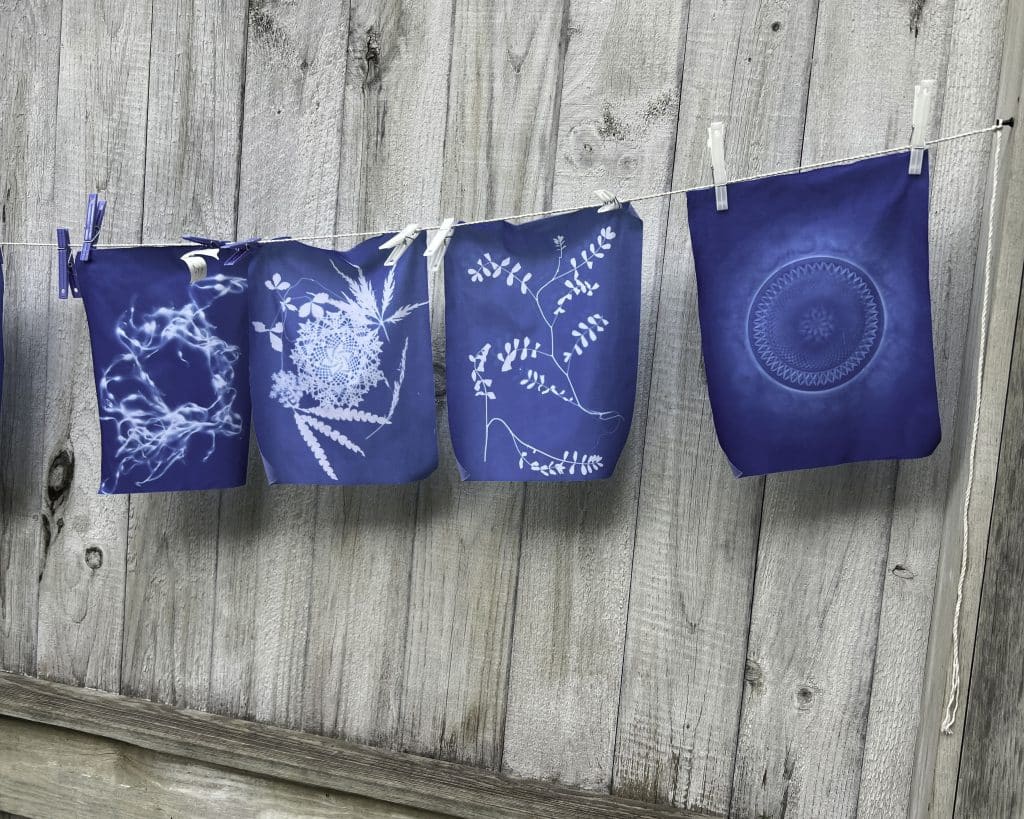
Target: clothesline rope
998, 126
953, 703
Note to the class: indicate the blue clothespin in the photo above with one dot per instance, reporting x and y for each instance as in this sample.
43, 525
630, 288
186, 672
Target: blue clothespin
94, 210
66, 279
239, 249
205, 242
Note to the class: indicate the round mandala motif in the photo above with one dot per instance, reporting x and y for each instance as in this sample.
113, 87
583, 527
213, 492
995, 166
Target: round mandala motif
815, 323
337, 363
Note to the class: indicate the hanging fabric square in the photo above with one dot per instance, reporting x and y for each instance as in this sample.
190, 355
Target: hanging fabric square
342, 368
170, 357
543, 323
815, 316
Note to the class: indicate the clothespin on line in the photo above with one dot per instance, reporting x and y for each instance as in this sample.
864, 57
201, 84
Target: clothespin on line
399, 243
238, 249
66, 280
924, 96
716, 144
196, 262
609, 201
95, 208
438, 245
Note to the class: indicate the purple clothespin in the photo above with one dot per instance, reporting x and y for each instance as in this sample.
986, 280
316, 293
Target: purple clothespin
202, 240
94, 210
66, 280
238, 250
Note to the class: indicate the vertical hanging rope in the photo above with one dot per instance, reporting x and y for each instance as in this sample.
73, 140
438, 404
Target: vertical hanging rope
953, 703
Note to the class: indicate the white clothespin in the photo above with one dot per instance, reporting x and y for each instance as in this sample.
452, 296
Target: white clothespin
197, 264
438, 245
924, 94
398, 243
716, 143
609, 201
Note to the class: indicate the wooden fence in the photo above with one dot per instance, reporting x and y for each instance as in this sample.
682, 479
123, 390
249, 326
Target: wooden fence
755, 647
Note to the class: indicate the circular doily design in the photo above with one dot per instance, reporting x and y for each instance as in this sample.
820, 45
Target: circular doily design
815, 323
336, 362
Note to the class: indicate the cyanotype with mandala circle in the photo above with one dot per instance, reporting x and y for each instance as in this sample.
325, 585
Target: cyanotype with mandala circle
815, 316
816, 323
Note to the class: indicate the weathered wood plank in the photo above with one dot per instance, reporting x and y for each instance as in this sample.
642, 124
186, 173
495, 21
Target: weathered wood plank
499, 150
957, 201
616, 130
48, 771
295, 64
101, 146
392, 130
991, 780
933, 788
28, 89
825, 534
697, 528
195, 82
269, 750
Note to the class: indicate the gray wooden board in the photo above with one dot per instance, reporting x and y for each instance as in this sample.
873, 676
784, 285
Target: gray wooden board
959, 189
616, 130
991, 781
392, 133
48, 771
504, 85
100, 146
697, 527
296, 61
195, 80
933, 785
28, 90
269, 750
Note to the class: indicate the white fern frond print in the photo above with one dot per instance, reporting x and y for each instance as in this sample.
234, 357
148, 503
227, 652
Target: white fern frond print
551, 304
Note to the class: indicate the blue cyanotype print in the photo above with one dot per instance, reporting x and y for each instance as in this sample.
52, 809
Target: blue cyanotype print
342, 374
170, 358
815, 316
543, 327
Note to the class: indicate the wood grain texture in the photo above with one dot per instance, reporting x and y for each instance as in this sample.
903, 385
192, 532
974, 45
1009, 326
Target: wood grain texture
957, 201
28, 90
192, 153
48, 771
504, 86
616, 129
991, 782
296, 59
933, 787
101, 146
825, 534
392, 136
697, 527
591, 635
322, 762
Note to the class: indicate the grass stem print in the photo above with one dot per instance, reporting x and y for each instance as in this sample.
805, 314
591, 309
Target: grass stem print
342, 376
170, 358
542, 345
815, 316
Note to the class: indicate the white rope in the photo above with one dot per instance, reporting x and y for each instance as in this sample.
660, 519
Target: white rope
953, 703
540, 213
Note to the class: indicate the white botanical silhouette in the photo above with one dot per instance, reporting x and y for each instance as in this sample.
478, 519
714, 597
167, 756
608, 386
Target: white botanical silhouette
573, 277
155, 428
336, 342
